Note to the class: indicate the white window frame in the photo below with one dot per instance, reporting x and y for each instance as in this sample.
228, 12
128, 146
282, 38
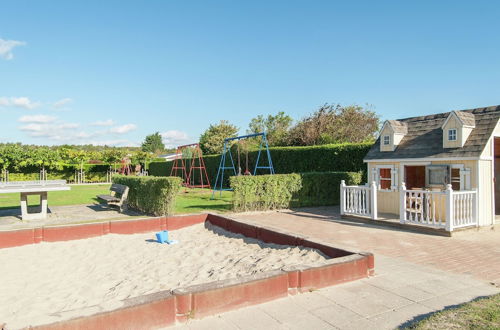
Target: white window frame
464, 176
388, 140
452, 132
394, 176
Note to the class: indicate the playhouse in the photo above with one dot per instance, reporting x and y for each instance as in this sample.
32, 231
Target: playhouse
438, 171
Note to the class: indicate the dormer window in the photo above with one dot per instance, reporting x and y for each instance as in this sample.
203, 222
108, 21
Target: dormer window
452, 134
457, 127
393, 131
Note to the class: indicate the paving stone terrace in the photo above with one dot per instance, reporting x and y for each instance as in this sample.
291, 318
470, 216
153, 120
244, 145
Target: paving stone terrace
10, 219
416, 274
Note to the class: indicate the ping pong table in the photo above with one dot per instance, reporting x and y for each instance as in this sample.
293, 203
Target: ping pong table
40, 188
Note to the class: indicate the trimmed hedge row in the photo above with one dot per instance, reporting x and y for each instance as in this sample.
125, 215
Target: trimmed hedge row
92, 177
323, 158
264, 192
93, 173
268, 192
152, 195
323, 188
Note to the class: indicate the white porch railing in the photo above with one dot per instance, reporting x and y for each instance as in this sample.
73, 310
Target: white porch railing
439, 209
358, 200
464, 211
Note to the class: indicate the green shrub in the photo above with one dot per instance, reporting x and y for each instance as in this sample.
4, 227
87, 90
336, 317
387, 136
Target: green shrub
323, 188
322, 158
152, 195
24, 176
264, 192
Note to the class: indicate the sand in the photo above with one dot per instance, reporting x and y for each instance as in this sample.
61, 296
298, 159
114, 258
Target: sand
49, 282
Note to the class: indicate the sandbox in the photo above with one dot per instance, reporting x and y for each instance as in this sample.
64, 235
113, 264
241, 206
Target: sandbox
118, 281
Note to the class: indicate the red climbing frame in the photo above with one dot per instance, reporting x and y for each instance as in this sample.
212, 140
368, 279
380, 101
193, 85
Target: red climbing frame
197, 163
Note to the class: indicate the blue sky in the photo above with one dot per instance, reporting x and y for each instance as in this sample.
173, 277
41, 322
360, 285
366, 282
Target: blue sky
111, 72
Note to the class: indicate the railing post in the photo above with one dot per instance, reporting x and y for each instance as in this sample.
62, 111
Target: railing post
449, 208
474, 207
402, 203
342, 197
373, 200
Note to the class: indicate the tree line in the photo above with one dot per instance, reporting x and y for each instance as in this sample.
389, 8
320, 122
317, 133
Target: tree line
16, 156
331, 123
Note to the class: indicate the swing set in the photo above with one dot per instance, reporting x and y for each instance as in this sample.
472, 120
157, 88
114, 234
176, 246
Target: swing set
190, 153
219, 180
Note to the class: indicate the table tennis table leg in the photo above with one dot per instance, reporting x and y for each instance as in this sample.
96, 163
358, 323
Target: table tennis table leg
24, 206
42, 214
43, 205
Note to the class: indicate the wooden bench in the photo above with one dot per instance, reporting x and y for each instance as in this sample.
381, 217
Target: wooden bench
117, 197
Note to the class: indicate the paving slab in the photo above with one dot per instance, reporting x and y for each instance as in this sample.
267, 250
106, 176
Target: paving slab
10, 219
416, 274
252, 318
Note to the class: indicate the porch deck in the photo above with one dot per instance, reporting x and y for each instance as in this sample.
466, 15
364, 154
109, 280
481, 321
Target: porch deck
392, 220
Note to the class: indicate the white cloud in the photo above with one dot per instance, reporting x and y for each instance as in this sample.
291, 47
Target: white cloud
108, 122
174, 138
114, 143
62, 102
37, 119
68, 125
123, 129
20, 102
42, 126
6, 47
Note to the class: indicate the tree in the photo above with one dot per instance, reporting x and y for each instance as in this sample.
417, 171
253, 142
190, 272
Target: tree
336, 124
113, 156
153, 143
276, 127
142, 157
212, 140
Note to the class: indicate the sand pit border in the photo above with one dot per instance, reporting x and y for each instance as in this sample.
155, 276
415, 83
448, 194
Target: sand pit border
168, 307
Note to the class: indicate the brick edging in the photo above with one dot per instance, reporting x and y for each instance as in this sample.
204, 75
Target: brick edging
13, 238
168, 307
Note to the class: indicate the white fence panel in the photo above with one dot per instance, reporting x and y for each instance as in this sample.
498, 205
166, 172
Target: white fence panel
422, 207
439, 209
464, 208
358, 200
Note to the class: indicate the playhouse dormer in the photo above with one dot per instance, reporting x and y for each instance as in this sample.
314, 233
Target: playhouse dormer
391, 134
457, 128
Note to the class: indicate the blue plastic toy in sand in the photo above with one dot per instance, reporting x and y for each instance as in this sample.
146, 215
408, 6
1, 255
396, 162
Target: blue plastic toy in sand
162, 237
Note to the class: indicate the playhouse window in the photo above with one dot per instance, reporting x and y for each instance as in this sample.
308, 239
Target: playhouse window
452, 134
387, 140
385, 178
437, 175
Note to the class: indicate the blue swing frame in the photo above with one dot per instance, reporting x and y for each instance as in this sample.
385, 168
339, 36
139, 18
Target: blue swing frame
227, 150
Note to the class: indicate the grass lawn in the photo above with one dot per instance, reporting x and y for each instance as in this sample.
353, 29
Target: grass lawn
77, 195
478, 314
198, 200
192, 201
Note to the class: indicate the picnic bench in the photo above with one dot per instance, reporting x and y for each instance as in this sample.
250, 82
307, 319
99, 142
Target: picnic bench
117, 197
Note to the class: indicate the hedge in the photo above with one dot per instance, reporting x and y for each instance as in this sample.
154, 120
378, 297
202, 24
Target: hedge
323, 158
323, 188
263, 192
92, 177
152, 195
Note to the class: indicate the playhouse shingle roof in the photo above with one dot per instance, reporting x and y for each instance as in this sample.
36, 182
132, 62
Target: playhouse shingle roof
398, 126
467, 118
424, 138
